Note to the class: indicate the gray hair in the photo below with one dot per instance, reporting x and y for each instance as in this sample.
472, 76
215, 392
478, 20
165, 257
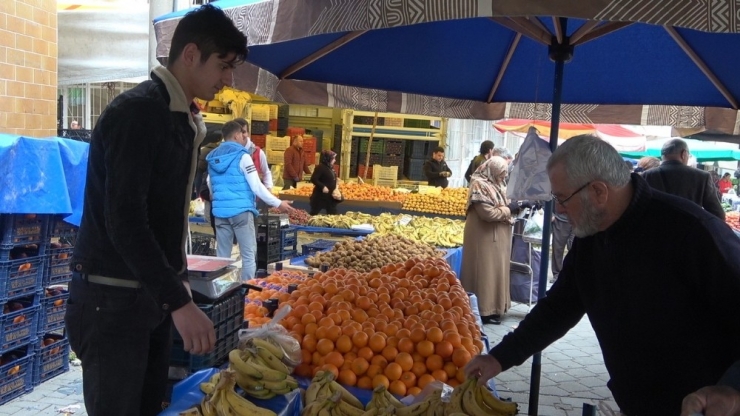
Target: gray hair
674, 147
502, 152
587, 158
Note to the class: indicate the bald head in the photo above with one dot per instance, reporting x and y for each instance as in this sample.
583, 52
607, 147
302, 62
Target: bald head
675, 149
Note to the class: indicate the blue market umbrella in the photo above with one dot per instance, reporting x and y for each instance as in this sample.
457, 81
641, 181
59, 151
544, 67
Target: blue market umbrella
452, 53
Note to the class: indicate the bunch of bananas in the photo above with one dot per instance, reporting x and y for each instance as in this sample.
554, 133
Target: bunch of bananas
471, 399
384, 403
327, 397
340, 221
221, 399
260, 370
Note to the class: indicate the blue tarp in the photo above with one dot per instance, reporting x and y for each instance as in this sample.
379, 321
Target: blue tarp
42, 176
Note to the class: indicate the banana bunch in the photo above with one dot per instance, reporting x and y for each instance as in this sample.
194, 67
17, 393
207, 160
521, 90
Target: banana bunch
437, 232
209, 387
471, 399
385, 403
260, 373
280, 347
326, 397
225, 401
340, 221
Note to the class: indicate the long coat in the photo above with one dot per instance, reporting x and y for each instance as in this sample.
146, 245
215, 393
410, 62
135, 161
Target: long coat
486, 257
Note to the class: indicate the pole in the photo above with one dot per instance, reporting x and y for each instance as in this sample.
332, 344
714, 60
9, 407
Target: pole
560, 53
369, 143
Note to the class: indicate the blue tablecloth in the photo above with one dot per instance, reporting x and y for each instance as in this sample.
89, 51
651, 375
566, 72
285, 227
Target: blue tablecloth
334, 231
42, 176
187, 394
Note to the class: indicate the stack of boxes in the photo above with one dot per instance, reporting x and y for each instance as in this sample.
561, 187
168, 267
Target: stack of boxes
393, 154
375, 150
282, 120
417, 152
276, 239
260, 125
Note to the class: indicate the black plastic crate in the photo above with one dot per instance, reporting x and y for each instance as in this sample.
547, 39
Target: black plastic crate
393, 160
57, 267
18, 327
53, 306
193, 363
375, 159
269, 252
282, 125
283, 111
417, 148
267, 228
19, 229
21, 277
377, 146
260, 127
395, 147
367, 120
16, 376
414, 169
318, 245
51, 359
202, 244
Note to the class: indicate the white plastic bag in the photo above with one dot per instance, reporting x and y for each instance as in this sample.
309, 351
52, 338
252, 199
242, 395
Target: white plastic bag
533, 226
528, 180
199, 207
276, 334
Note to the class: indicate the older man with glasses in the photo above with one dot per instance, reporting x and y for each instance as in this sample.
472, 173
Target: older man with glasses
658, 277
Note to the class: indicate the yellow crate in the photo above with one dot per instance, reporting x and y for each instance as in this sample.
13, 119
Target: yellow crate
275, 157
393, 122
260, 112
273, 111
385, 176
277, 143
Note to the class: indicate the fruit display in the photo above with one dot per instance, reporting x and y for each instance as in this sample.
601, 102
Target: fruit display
296, 217
451, 201
341, 221
325, 393
402, 326
471, 399
55, 291
372, 253
261, 369
274, 286
357, 192
732, 218
222, 399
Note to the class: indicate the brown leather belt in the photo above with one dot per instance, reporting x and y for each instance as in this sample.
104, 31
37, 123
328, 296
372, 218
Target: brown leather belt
112, 281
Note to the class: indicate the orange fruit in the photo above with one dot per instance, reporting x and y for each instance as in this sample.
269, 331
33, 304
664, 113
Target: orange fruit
433, 362
424, 348
347, 378
435, 335
418, 335
454, 339
423, 380
335, 358
393, 371
366, 353
413, 391
389, 353
330, 367
365, 382
444, 349
379, 360
306, 356
311, 328
405, 360
377, 343
359, 366
303, 370
450, 369
461, 357
307, 319
398, 388
440, 375
373, 370
317, 359
325, 346
322, 332
417, 357
408, 378
344, 344
381, 379
460, 375
360, 339
333, 332
406, 345
309, 343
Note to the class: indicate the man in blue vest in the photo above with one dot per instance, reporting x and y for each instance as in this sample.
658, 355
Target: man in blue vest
235, 185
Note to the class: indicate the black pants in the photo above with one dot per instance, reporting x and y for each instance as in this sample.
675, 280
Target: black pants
124, 340
288, 183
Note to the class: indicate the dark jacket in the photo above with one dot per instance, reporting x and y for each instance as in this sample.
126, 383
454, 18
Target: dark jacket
693, 184
136, 205
432, 169
660, 287
294, 164
477, 161
323, 176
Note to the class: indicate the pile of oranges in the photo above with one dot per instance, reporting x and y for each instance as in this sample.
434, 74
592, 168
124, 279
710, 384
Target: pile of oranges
451, 201
356, 192
403, 326
274, 286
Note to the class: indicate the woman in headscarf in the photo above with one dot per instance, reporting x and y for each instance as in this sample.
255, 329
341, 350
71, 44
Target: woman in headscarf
325, 193
487, 240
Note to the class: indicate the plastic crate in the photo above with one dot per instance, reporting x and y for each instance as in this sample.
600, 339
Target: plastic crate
58, 228
282, 125
309, 144
395, 147
260, 112
361, 172
294, 131
193, 363
267, 228
377, 146
311, 157
23, 251
289, 238
269, 253
57, 268
273, 111
202, 244
19, 327
288, 254
16, 377
417, 148
393, 122
375, 159
367, 120
414, 123
275, 157
260, 127
16, 229
392, 160
259, 140
318, 245
50, 360
414, 169
283, 111
51, 311
278, 143
21, 277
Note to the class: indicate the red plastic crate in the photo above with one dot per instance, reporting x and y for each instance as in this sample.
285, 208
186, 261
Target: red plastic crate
309, 144
336, 169
260, 140
293, 131
273, 124
310, 157
361, 171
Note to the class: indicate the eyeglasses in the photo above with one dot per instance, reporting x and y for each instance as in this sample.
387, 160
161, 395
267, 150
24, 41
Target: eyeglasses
563, 201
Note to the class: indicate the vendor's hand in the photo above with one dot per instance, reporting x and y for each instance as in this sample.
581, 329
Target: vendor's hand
285, 207
514, 207
712, 401
195, 328
325, 190
484, 367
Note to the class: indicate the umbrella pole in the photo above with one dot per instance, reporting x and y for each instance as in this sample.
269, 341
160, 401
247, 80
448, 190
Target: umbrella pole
369, 143
560, 54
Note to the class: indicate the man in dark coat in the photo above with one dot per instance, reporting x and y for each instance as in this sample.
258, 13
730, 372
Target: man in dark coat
436, 169
674, 176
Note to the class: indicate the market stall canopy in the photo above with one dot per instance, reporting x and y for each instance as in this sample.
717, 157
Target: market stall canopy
703, 151
42, 176
618, 136
446, 60
102, 41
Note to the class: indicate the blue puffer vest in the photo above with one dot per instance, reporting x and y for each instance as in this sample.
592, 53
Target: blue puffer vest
231, 192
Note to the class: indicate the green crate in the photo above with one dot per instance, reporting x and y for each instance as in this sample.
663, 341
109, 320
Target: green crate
417, 124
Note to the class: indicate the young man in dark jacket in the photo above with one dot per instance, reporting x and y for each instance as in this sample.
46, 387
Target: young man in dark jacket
436, 169
129, 284
485, 152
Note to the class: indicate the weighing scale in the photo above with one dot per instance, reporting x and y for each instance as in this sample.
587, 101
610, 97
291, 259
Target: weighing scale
212, 278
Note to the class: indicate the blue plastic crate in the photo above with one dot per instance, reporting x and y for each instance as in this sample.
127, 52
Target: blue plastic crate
21, 277
57, 267
58, 228
51, 311
50, 360
19, 251
16, 229
288, 254
318, 245
289, 238
16, 377
19, 327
